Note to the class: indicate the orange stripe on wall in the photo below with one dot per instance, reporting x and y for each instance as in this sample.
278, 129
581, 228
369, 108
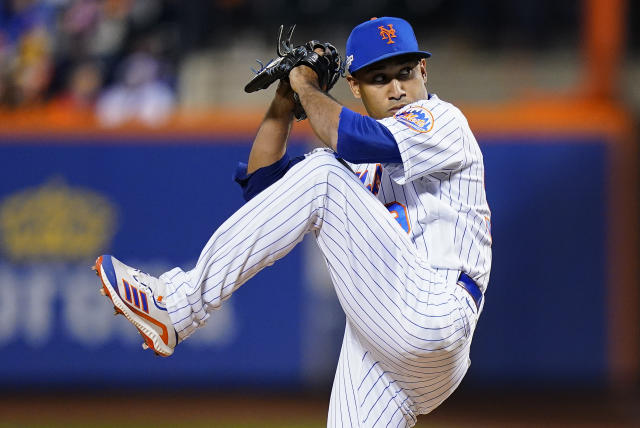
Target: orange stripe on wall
531, 117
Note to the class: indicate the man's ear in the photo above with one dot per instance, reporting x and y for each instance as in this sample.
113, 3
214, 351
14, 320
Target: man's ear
423, 69
354, 85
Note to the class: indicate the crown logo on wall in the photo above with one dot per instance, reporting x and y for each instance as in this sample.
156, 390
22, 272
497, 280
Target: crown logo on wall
55, 222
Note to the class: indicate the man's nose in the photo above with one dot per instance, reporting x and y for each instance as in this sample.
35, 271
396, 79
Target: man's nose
395, 90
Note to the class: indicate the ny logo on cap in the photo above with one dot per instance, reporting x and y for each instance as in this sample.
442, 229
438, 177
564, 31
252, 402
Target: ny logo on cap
387, 33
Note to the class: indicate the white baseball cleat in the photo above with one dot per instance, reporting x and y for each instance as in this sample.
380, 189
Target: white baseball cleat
140, 298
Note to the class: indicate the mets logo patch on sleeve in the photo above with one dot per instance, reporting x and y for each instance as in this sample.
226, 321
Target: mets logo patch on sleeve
417, 118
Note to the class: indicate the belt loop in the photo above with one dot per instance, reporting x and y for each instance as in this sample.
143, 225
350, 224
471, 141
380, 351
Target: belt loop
472, 288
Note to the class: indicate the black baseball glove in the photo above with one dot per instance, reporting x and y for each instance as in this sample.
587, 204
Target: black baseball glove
329, 67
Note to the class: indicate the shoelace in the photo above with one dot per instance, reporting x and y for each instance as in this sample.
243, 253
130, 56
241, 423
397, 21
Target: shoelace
143, 278
146, 279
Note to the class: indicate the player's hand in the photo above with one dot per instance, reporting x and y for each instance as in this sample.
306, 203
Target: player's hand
304, 75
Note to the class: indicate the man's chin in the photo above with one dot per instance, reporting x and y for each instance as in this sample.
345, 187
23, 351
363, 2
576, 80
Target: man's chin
393, 110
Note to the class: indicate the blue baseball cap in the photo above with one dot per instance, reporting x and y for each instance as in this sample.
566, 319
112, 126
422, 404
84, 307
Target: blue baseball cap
378, 39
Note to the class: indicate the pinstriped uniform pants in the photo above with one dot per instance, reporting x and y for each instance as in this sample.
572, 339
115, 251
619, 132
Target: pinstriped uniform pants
408, 332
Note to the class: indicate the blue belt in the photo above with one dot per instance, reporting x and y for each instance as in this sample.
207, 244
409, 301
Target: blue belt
472, 288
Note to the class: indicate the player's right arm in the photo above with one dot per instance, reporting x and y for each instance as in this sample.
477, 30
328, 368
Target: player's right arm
355, 138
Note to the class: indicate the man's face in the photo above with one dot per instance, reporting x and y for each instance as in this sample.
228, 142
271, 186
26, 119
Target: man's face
387, 86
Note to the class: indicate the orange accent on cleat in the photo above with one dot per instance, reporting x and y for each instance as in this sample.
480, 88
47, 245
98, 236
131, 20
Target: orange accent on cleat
96, 265
104, 291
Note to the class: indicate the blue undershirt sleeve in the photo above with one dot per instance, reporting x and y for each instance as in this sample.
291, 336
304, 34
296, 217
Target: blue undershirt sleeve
260, 179
362, 139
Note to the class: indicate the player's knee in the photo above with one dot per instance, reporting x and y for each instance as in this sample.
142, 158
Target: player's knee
444, 359
441, 342
322, 158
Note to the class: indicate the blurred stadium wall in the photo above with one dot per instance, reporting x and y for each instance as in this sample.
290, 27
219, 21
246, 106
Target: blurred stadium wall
122, 122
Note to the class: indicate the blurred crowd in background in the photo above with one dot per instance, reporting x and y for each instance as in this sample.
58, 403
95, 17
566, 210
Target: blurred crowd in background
122, 58
83, 54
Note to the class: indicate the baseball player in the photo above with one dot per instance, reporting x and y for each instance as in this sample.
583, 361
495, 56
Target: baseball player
406, 238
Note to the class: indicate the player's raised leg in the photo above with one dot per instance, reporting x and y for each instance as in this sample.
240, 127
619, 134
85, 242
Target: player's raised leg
379, 278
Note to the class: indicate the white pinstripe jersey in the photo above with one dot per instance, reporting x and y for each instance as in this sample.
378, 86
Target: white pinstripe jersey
437, 194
